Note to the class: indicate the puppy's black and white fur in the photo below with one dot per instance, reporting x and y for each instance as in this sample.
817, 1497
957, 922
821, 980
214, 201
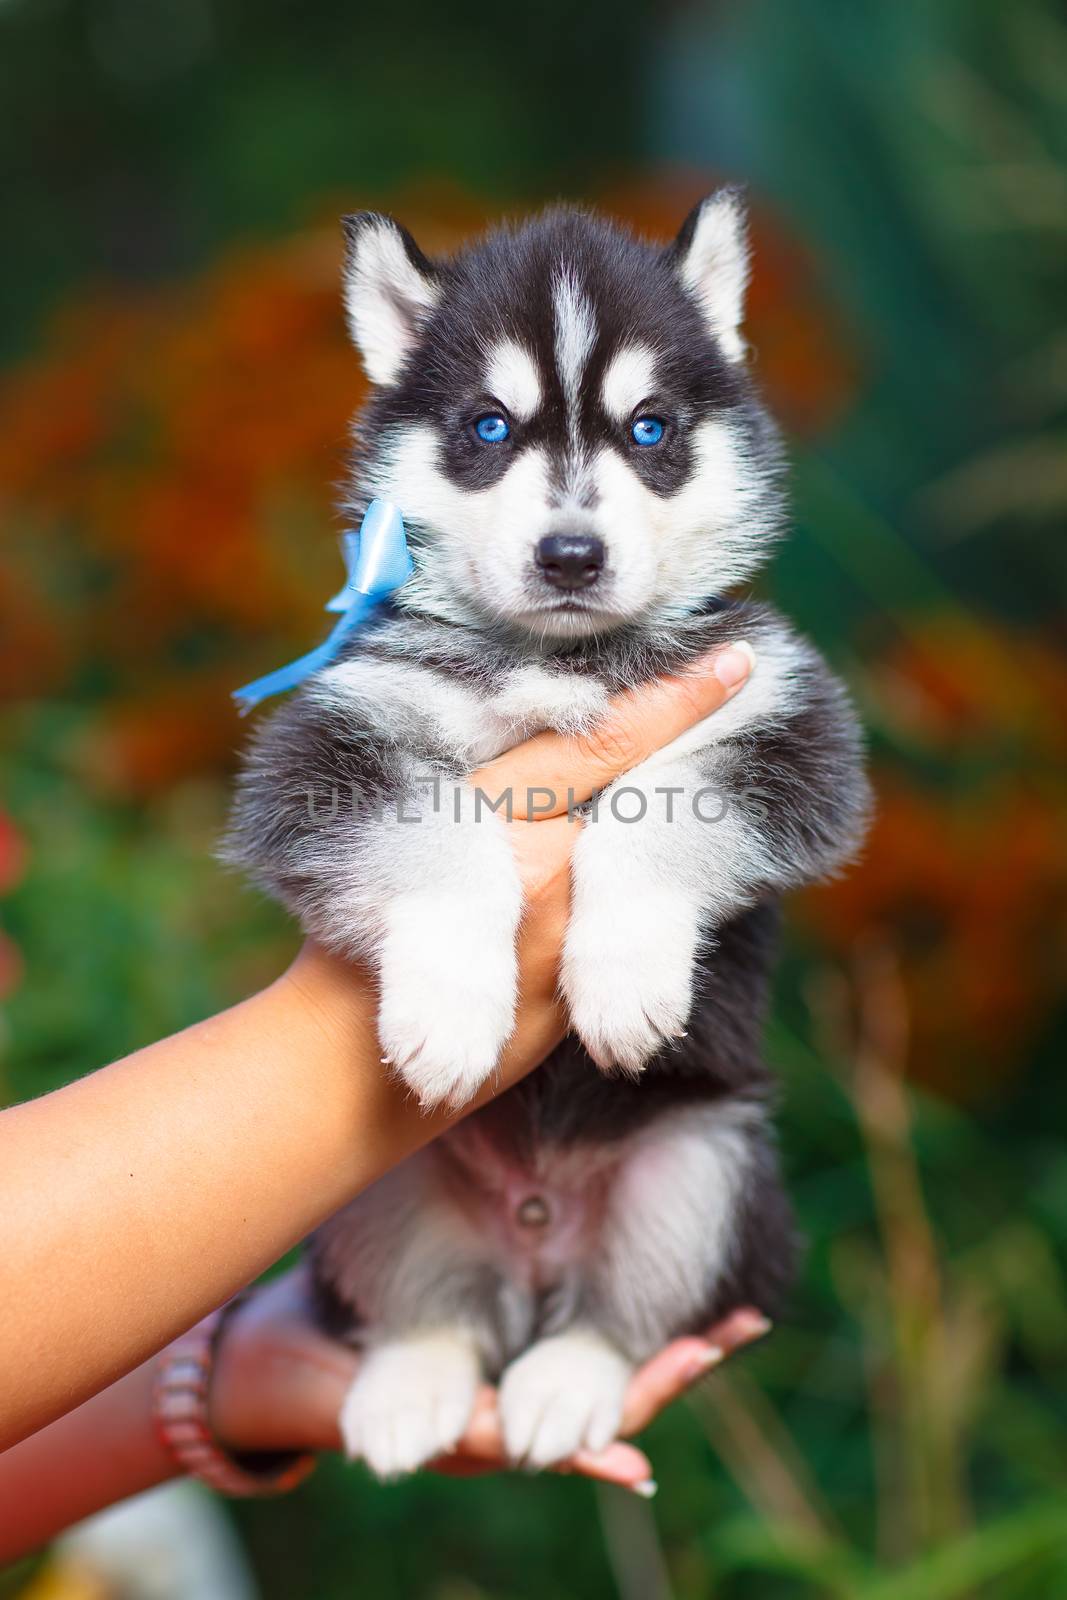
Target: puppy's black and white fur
628, 1190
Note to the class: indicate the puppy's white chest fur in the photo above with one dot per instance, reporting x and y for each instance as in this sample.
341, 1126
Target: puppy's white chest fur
534, 698
414, 703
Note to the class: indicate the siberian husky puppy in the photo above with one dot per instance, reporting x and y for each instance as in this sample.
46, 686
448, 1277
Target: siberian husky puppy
565, 417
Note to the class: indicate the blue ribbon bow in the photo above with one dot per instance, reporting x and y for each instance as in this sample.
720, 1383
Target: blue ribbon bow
378, 561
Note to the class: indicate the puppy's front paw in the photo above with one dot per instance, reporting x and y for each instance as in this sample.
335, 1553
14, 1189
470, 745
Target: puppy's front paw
444, 1039
447, 1005
628, 979
411, 1402
565, 1394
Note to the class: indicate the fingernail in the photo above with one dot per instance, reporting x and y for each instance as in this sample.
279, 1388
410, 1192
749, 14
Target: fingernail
756, 1325
733, 665
708, 1358
646, 1488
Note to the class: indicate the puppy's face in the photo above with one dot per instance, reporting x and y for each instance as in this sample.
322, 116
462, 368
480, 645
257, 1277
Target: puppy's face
563, 417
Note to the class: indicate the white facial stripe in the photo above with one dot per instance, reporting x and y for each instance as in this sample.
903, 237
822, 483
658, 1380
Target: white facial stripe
628, 380
575, 336
512, 378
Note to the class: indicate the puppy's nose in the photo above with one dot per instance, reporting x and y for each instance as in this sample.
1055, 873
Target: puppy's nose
570, 560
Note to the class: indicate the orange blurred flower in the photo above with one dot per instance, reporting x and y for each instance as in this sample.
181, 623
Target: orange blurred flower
168, 464
966, 866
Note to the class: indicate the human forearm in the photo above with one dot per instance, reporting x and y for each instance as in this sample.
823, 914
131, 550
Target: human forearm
173, 1177
137, 1199
177, 1175
102, 1452
278, 1385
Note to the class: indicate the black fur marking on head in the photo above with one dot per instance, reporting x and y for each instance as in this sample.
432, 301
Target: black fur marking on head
503, 289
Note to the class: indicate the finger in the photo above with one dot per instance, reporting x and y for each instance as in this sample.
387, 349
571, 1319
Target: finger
552, 772
482, 1450
740, 1327
482, 1439
683, 1362
662, 1379
619, 1463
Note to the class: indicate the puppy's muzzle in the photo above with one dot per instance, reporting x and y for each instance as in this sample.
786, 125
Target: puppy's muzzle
569, 561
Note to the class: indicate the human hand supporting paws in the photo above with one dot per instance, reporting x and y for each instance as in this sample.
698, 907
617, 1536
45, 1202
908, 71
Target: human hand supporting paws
281, 1384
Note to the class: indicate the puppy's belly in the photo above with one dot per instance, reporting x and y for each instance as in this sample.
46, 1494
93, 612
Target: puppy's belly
541, 1217
516, 1238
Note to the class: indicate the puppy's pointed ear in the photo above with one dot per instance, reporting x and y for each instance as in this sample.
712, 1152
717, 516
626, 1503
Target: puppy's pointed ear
389, 290
711, 257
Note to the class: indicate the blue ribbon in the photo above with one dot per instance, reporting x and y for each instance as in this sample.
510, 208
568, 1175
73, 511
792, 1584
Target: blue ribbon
378, 561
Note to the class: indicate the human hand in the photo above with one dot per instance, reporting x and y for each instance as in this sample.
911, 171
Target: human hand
279, 1384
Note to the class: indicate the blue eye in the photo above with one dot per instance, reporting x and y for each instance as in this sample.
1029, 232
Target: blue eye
647, 430
491, 429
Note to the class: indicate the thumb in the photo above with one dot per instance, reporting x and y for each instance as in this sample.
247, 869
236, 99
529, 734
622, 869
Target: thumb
553, 771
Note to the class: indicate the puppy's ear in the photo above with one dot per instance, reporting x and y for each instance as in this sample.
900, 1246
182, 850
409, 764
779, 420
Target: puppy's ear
389, 290
711, 257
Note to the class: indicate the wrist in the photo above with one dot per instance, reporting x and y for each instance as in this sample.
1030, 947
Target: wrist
278, 1381
329, 994
184, 1418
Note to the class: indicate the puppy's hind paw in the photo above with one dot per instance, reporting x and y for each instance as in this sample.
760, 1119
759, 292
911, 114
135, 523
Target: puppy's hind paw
410, 1402
562, 1395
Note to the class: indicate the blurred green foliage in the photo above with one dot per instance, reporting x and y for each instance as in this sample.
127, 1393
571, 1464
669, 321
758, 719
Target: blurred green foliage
138, 138
901, 1436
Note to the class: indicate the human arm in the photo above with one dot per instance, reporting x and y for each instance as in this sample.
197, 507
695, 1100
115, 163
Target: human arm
279, 1383
136, 1199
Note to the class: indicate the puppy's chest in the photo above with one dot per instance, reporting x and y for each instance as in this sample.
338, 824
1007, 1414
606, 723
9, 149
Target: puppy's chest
479, 723
532, 699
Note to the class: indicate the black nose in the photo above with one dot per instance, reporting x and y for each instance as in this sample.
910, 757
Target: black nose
570, 560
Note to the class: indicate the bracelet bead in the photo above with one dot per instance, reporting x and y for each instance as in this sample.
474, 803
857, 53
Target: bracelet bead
180, 1413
